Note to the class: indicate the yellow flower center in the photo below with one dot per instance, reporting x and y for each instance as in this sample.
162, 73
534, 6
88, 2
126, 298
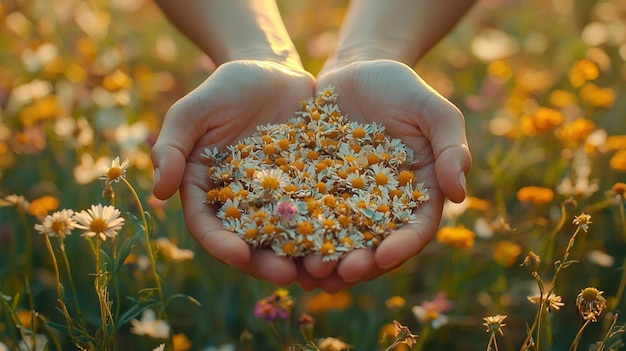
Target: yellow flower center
251, 233
381, 179
289, 248
305, 228
114, 173
232, 212
58, 227
98, 225
270, 183
358, 133
328, 248
358, 183
405, 177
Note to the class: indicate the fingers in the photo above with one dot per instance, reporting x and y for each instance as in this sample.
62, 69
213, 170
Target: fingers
174, 144
444, 126
316, 267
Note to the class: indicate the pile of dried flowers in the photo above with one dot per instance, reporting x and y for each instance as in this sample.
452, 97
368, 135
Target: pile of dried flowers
316, 184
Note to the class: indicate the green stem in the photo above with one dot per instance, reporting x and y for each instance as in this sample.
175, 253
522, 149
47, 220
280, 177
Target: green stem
68, 318
103, 316
555, 231
421, 340
71, 281
576, 341
622, 284
149, 246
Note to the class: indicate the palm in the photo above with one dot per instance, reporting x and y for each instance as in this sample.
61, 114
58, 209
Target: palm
391, 94
227, 107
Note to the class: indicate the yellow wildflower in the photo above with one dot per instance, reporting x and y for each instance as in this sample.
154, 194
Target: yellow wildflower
535, 194
596, 96
41, 206
506, 253
583, 70
543, 120
618, 161
576, 131
323, 301
458, 237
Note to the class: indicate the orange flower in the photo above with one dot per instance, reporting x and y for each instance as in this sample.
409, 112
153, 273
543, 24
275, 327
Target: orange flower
323, 302
395, 302
457, 237
41, 206
615, 142
617, 162
535, 194
576, 131
543, 120
583, 70
506, 253
596, 96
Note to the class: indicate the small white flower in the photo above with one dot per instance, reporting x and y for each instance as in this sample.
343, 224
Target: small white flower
150, 326
114, 173
101, 221
59, 224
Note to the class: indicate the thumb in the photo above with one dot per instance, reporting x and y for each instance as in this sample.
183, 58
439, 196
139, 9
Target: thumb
174, 144
445, 128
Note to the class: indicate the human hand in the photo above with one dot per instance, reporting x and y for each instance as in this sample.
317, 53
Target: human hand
226, 108
392, 94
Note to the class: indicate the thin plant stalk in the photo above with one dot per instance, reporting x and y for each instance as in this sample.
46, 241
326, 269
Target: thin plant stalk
622, 284
609, 333
576, 341
70, 324
150, 249
492, 341
151, 254
70, 278
419, 345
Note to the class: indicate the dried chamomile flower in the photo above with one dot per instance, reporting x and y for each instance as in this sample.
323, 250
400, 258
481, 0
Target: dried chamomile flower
318, 183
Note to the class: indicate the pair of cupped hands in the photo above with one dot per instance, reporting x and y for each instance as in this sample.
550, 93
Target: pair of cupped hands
240, 95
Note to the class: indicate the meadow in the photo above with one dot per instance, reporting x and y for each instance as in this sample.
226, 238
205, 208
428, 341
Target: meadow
533, 259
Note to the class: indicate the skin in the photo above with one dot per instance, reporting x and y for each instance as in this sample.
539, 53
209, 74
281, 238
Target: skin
260, 79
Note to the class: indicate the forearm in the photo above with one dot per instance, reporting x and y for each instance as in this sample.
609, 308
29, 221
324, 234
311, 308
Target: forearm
401, 30
228, 30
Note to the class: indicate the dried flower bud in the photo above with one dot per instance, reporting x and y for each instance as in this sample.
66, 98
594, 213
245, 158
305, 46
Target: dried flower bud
306, 324
532, 261
108, 193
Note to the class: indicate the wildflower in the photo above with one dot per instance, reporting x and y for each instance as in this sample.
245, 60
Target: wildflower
395, 302
596, 96
116, 172
618, 161
306, 324
40, 343
150, 326
600, 258
17, 201
458, 237
431, 312
619, 189
576, 131
532, 261
506, 253
332, 344
535, 194
40, 206
159, 348
404, 335
553, 302
582, 71
276, 306
101, 221
543, 120
171, 251
181, 342
59, 224
590, 303
494, 323
287, 210
583, 220
324, 301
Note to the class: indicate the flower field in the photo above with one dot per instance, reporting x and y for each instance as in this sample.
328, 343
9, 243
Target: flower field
533, 259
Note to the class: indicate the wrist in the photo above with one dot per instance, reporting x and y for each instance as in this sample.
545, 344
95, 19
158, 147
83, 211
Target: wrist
364, 51
283, 56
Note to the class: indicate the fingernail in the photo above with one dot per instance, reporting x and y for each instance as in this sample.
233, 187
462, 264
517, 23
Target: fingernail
156, 177
463, 182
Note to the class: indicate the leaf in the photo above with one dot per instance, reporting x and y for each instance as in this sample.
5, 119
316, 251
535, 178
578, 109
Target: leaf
183, 296
133, 312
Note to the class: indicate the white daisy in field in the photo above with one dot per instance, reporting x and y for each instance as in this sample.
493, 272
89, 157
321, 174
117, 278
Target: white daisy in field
60, 223
100, 221
116, 172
